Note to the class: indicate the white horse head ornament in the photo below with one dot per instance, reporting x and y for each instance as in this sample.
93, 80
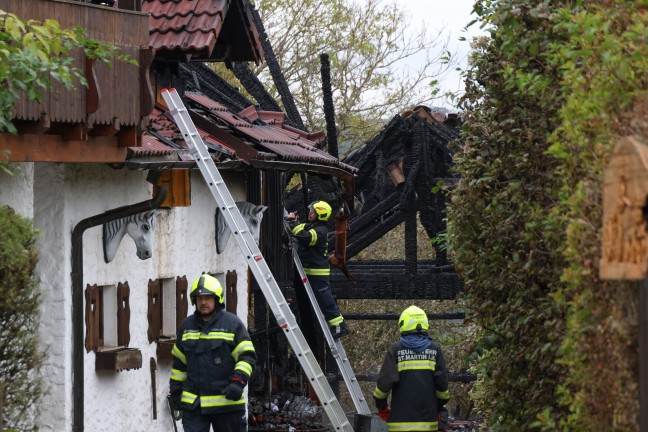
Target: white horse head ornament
252, 214
139, 227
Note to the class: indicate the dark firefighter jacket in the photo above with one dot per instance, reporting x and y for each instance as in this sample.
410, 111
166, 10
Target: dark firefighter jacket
313, 247
205, 356
418, 383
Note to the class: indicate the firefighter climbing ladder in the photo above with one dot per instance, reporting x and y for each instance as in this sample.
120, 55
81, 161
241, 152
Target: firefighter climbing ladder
337, 350
256, 262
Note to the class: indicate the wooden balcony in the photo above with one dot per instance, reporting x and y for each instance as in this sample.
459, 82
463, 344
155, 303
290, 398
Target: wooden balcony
118, 95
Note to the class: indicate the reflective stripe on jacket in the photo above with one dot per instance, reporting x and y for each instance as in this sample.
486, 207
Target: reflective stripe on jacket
313, 247
418, 383
205, 356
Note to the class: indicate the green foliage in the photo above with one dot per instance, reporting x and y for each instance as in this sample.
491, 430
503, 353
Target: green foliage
19, 307
370, 47
33, 54
547, 95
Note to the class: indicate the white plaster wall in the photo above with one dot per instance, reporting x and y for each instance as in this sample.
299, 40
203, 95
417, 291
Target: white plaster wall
54, 269
183, 245
16, 189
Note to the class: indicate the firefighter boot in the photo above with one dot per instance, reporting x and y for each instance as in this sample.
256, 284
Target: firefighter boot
339, 331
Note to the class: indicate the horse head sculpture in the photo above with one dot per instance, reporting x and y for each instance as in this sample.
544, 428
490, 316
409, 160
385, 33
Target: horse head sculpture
252, 214
139, 227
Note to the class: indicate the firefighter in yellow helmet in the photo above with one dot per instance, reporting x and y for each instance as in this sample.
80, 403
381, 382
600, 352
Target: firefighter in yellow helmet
313, 254
414, 372
213, 358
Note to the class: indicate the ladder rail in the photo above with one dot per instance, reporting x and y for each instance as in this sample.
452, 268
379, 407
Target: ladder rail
257, 263
337, 350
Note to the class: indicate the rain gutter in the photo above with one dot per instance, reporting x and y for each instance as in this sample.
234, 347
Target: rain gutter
77, 295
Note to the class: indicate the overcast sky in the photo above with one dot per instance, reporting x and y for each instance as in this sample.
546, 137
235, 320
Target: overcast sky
452, 16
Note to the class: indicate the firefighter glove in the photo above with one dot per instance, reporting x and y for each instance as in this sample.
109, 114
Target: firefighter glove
174, 399
234, 389
384, 413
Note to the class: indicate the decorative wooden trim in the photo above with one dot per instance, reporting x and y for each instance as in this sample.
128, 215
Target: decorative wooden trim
53, 148
155, 309
182, 307
93, 317
625, 206
39, 126
231, 295
118, 359
123, 314
147, 94
93, 93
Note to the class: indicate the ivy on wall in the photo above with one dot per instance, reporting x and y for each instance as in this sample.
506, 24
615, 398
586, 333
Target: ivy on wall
547, 95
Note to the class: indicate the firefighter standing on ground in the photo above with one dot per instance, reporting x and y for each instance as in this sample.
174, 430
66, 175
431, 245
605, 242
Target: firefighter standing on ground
213, 358
313, 254
414, 372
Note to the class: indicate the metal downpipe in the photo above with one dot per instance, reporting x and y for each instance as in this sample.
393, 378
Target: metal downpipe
77, 295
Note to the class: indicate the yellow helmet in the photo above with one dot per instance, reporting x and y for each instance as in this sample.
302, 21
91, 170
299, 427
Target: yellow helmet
413, 318
322, 209
206, 285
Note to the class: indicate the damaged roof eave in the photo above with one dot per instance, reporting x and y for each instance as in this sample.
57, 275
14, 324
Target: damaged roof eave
166, 163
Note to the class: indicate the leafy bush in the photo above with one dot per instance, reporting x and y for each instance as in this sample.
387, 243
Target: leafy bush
547, 95
20, 358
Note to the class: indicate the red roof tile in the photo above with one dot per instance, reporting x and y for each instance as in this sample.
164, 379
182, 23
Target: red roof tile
286, 143
194, 27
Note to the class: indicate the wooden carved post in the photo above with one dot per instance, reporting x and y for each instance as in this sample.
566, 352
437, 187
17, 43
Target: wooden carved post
625, 240
231, 294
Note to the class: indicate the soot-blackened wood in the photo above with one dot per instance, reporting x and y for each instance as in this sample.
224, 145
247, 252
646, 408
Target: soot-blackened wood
277, 75
329, 108
252, 84
366, 221
200, 77
374, 233
385, 286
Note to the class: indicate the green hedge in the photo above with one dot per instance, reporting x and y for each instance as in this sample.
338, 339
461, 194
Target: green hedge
547, 96
20, 358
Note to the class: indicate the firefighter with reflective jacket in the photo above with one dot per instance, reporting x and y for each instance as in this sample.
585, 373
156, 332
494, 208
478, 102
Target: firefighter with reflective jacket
414, 372
213, 358
313, 254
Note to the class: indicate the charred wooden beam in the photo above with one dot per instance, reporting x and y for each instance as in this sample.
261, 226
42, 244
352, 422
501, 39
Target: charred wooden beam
435, 286
377, 231
252, 84
370, 216
199, 76
277, 74
329, 108
395, 316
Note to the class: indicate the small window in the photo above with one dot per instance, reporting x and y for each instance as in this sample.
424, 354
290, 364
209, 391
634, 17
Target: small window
167, 308
107, 315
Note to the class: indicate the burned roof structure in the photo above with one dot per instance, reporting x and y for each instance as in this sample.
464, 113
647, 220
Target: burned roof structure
400, 171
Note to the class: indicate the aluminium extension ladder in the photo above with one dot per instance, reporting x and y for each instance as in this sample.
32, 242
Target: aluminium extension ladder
256, 262
337, 350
